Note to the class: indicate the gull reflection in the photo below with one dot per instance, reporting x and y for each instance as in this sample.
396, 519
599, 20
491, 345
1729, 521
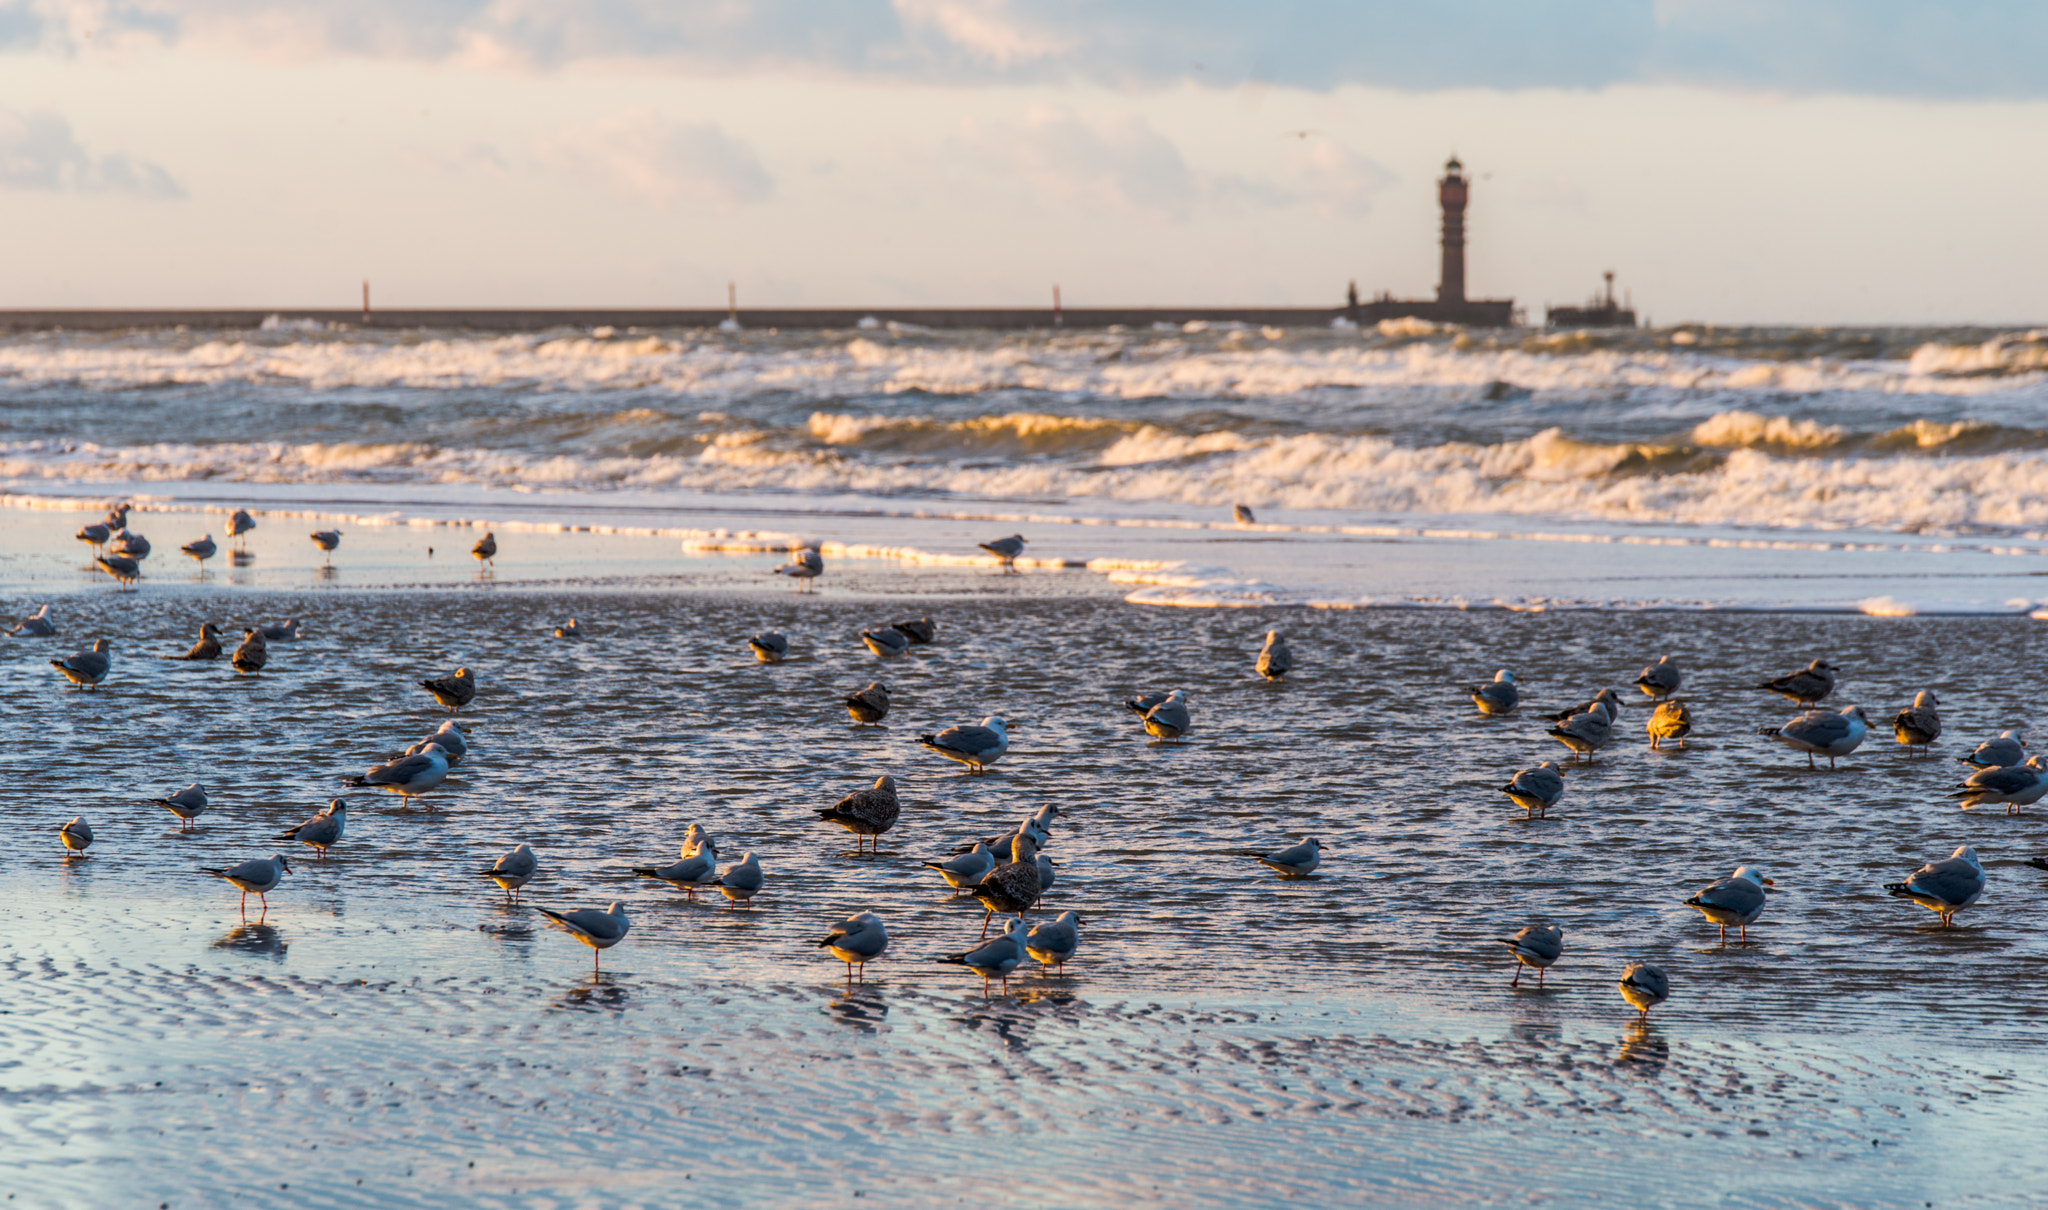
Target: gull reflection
597, 992
1643, 1049
258, 938
861, 1008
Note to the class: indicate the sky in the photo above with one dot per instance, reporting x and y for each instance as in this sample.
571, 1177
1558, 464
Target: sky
1804, 161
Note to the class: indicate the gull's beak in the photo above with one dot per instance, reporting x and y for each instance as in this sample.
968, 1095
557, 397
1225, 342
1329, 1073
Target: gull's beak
1770, 882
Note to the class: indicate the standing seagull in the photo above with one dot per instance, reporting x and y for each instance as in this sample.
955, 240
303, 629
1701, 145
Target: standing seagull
770, 646
1661, 679
513, 870
1606, 700
1275, 661
239, 525
258, 876
885, 641
408, 776
1944, 887
451, 739
1296, 861
1054, 941
1919, 724
1737, 899
76, 835
1011, 888
486, 549
87, 668
598, 930
1536, 790
187, 804
1806, 686
322, 830
1538, 946
36, 625
208, 646
121, 567
806, 566
94, 535
995, 959
1242, 514
135, 546
694, 867
201, 551
326, 540
253, 653
454, 690
741, 881
2007, 749
866, 813
1586, 733
1497, 696
2016, 786
870, 705
1644, 987
856, 941
1006, 549
962, 872
1670, 720
977, 747
1822, 733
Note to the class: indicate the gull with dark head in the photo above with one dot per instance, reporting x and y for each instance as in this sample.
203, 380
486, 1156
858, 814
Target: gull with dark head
857, 940
321, 831
1829, 733
1537, 947
208, 646
1944, 887
1497, 696
1806, 686
1536, 790
975, 745
1919, 724
598, 930
805, 566
252, 654
1737, 899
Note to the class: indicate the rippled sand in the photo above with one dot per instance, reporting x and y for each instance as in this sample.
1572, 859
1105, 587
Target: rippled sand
1223, 1037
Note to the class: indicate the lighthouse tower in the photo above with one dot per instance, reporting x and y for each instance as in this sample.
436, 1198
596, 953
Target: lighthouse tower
1451, 192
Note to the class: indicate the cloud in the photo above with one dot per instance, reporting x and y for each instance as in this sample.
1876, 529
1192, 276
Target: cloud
1118, 163
1336, 181
647, 158
988, 30
38, 151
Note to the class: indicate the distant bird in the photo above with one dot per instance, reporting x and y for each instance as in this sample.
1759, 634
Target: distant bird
1586, 733
322, 830
258, 876
286, 631
1826, 733
408, 776
239, 525
569, 630
694, 867
1054, 941
121, 567
454, 691
1275, 661
1538, 947
920, 631
201, 551
598, 930
1295, 861
135, 546
253, 653
2016, 786
1013, 887
1006, 549
513, 870
1737, 899
95, 535
1169, 719
1536, 790
857, 941
869, 705
76, 835
486, 549
208, 646
1919, 724
1242, 515
117, 517
187, 804
326, 540
977, 747
866, 813
1607, 700
1497, 696
741, 881
37, 625
1644, 987
806, 565
885, 642
1807, 686
1944, 887
994, 959
87, 668
2008, 749
1661, 679
770, 646
1670, 720
963, 871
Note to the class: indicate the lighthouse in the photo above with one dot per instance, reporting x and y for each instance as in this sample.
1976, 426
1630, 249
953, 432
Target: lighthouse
1452, 192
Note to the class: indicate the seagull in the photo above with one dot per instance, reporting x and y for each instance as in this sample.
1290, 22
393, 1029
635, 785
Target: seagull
1169, 719
1919, 724
253, 653
598, 930
741, 881
322, 830
1944, 887
1807, 686
866, 813
1296, 861
36, 625
201, 551
1537, 946
327, 540
1661, 679
570, 630
135, 546
857, 940
1497, 696
117, 516
1242, 515
2016, 786
121, 567
770, 646
408, 776
258, 876
919, 631
286, 631
95, 534
887, 641
1670, 720
514, 870
977, 747
208, 646
695, 837
1275, 661
1054, 941
453, 691
1606, 699
1586, 733
486, 549
1006, 549
87, 668
870, 705
964, 871
1536, 790
807, 565
451, 739
187, 804
995, 959
1826, 733
1644, 987
694, 867
239, 524
1035, 827
2007, 749
1013, 887
1737, 899
76, 835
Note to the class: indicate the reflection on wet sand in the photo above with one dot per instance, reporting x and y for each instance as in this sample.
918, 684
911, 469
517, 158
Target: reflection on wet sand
597, 992
860, 1008
1643, 1049
256, 938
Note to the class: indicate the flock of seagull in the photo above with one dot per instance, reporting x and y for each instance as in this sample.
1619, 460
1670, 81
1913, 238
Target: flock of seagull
1009, 873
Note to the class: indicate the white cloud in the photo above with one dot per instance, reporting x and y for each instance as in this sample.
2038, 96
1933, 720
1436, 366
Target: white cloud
1118, 163
988, 30
38, 151
645, 157
1336, 181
